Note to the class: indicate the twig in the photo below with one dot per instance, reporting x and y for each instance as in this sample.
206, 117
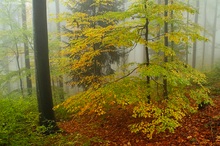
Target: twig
125, 75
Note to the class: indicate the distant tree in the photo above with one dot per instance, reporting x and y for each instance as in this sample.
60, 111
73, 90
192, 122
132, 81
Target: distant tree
214, 29
204, 32
166, 44
11, 38
43, 83
195, 43
14, 33
26, 48
80, 20
187, 46
58, 30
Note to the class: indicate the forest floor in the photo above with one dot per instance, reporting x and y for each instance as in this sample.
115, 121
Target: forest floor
199, 129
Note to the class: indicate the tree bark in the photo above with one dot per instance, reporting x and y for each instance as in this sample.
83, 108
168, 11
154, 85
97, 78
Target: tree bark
166, 43
26, 49
147, 50
43, 82
19, 69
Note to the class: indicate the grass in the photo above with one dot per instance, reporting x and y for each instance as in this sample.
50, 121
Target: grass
19, 125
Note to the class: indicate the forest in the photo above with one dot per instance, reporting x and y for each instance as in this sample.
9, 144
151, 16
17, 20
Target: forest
109, 72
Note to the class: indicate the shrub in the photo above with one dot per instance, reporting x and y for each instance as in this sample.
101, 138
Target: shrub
186, 92
19, 122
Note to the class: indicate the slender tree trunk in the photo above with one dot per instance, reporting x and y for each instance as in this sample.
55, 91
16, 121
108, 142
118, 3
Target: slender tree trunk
60, 80
7, 71
214, 34
16, 52
147, 50
204, 33
26, 49
172, 30
43, 82
187, 46
96, 71
124, 53
166, 43
19, 69
195, 43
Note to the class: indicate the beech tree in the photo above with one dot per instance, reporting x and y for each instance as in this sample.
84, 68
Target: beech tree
98, 57
43, 84
174, 85
11, 38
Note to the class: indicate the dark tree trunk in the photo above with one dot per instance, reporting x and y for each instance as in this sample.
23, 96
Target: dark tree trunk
195, 43
172, 29
166, 43
26, 49
43, 83
147, 51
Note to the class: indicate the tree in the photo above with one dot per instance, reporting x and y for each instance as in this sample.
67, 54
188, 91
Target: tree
11, 39
146, 48
166, 43
81, 20
58, 30
195, 43
43, 85
187, 46
15, 32
214, 34
204, 33
183, 83
26, 48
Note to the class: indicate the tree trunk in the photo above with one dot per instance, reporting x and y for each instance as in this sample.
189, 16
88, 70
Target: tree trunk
214, 34
43, 83
147, 50
187, 46
16, 52
19, 69
60, 79
166, 43
195, 43
172, 29
204, 33
26, 49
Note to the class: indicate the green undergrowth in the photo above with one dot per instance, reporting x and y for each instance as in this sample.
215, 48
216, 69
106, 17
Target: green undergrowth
19, 125
213, 78
19, 121
159, 114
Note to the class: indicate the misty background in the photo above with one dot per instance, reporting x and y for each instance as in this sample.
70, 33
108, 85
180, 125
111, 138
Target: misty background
16, 35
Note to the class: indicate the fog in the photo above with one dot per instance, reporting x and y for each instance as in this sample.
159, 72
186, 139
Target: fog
14, 35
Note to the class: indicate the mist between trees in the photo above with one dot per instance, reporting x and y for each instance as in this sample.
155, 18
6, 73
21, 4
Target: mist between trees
16, 37
97, 48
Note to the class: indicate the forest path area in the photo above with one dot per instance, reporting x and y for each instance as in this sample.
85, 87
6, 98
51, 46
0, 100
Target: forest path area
199, 129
